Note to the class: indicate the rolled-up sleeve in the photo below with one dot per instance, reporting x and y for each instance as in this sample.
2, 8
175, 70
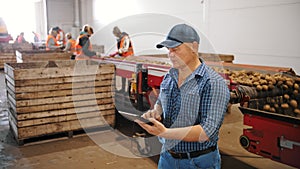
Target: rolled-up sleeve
215, 99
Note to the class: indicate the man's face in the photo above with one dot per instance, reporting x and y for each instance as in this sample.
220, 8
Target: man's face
181, 55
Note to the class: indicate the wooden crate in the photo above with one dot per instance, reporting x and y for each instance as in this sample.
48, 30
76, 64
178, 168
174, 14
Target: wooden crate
7, 58
40, 55
59, 96
12, 47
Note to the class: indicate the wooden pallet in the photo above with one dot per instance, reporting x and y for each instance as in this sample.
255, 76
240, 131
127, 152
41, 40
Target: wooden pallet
40, 55
45, 98
7, 58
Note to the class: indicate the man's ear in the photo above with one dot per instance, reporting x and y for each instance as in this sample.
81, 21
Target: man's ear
195, 47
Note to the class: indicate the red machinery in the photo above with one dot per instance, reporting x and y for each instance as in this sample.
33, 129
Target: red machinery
272, 135
144, 78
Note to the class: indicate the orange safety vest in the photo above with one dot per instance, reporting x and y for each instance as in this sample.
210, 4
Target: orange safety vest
48, 39
130, 48
78, 47
73, 46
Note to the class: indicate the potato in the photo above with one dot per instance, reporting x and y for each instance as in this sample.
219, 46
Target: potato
265, 87
296, 86
294, 103
289, 83
285, 106
286, 96
279, 83
263, 82
258, 87
297, 111
256, 83
267, 107
271, 86
285, 87
272, 109
255, 79
295, 92
272, 101
276, 106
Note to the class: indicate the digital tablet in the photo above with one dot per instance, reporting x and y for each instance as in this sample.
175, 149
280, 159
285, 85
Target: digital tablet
133, 117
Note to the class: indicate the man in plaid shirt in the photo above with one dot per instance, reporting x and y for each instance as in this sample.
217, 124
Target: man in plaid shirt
190, 108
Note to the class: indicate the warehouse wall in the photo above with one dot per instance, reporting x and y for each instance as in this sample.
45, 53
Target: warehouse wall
147, 22
257, 32
60, 13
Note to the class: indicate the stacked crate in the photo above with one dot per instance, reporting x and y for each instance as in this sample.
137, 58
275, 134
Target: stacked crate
40, 55
7, 58
7, 52
63, 96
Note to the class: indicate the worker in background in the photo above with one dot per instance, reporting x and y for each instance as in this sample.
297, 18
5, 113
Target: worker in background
60, 36
51, 42
84, 45
193, 100
70, 45
125, 49
36, 37
20, 39
124, 43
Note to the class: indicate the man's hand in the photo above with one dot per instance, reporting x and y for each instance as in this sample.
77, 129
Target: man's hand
157, 128
152, 114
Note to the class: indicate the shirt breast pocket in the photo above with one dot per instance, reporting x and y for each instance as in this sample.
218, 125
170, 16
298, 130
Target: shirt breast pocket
190, 105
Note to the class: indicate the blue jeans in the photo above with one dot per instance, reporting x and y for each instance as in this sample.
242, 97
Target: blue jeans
210, 160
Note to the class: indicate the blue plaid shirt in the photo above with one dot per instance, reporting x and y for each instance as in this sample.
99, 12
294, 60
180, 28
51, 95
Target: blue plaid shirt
202, 99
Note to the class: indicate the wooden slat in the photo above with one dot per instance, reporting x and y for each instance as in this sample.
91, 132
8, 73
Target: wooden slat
60, 112
80, 70
70, 117
58, 87
32, 131
46, 94
59, 80
63, 99
58, 106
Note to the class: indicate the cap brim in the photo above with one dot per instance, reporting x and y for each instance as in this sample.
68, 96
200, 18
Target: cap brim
168, 44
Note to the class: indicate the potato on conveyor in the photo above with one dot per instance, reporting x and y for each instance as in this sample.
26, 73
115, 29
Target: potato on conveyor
294, 103
285, 106
296, 86
267, 107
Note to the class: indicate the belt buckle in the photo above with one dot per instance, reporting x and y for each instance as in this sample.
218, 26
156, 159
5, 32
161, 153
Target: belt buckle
179, 155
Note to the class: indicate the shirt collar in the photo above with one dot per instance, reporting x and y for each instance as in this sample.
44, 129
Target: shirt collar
200, 71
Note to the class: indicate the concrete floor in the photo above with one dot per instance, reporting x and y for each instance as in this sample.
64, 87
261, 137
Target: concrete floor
111, 149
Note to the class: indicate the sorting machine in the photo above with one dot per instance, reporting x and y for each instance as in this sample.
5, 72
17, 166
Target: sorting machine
271, 119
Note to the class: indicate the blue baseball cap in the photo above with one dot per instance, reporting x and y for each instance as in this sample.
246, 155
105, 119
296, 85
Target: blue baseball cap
179, 34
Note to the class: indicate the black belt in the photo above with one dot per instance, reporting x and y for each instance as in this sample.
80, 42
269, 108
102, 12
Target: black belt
192, 154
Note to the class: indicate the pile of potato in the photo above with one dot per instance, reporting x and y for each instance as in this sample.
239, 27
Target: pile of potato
143, 60
288, 103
